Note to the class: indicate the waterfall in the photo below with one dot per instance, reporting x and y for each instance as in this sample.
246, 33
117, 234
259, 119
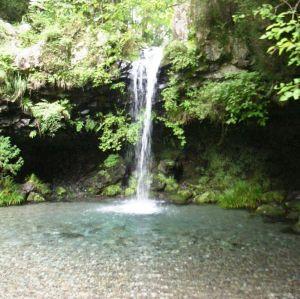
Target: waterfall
143, 82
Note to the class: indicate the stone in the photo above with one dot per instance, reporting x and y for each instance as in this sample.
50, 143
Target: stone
271, 210
35, 197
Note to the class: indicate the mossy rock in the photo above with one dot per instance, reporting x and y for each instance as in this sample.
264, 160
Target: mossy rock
206, 197
112, 190
272, 196
181, 197
61, 191
110, 172
34, 184
293, 205
271, 210
35, 197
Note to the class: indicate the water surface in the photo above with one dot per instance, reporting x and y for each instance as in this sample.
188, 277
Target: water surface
89, 250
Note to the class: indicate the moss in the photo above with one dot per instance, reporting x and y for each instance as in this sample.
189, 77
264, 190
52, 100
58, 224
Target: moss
272, 196
181, 197
111, 161
112, 190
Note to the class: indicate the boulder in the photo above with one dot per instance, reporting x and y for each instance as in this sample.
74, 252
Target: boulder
166, 166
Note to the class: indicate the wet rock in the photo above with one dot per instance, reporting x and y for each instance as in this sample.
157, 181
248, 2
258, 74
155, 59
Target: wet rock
271, 210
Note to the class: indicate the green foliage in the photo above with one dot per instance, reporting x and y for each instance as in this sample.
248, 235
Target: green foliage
238, 98
50, 116
38, 185
12, 84
182, 55
10, 193
13, 10
117, 131
242, 194
111, 161
284, 32
10, 160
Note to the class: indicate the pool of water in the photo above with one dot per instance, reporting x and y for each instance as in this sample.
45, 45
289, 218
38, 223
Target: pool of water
103, 250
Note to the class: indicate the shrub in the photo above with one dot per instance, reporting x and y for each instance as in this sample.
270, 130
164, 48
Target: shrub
10, 193
10, 160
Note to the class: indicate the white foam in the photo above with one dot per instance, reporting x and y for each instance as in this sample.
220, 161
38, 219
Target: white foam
134, 207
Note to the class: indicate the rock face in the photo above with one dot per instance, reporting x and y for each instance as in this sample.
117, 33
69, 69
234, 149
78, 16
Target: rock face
181, 21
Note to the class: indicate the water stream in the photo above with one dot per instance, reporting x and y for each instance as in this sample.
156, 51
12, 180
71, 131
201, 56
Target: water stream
144, 79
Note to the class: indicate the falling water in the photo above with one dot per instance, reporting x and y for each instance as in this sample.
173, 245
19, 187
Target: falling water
144, 79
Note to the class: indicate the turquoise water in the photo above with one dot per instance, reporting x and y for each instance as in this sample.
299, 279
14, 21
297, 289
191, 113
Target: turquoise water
88, 250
